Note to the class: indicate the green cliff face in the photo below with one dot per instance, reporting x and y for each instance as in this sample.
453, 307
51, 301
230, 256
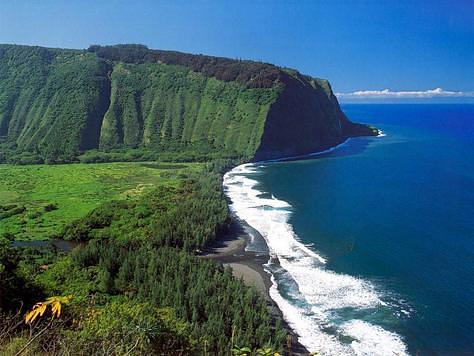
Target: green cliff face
159, 105
51, 101
57, 103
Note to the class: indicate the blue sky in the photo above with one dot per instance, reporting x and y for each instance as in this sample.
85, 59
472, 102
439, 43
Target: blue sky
358, 45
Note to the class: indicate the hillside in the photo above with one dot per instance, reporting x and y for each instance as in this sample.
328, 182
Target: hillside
57, 103
132, 285
134, 280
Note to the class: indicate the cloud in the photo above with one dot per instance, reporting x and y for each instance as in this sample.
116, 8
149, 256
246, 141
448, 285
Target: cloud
387, 93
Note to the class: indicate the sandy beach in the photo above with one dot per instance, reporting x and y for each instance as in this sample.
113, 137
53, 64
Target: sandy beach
230, 251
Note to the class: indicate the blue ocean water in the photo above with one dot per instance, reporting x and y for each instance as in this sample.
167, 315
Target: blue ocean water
373, 242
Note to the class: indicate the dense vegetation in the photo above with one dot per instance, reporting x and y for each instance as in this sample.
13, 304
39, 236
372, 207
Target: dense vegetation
197, 204
251, 74
135, 282
163, 106
57, 104
51, 101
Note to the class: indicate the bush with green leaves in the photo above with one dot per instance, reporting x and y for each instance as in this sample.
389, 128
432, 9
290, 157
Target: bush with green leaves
124, 327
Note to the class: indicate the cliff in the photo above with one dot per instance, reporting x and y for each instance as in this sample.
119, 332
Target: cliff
57, 103
305, 118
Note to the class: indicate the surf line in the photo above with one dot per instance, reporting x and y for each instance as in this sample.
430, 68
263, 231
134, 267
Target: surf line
313, 297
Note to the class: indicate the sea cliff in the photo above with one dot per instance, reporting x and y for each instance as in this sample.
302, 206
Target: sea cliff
56, 104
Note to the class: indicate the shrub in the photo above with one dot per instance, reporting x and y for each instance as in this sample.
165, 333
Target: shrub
127, 327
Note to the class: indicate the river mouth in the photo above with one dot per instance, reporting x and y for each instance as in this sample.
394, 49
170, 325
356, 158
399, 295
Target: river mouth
58, 244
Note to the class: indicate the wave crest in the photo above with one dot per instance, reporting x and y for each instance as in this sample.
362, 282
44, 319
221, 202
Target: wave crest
310, 296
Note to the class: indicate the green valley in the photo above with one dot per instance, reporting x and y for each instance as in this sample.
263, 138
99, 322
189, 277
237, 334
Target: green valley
133, 279
119, 151
42, 199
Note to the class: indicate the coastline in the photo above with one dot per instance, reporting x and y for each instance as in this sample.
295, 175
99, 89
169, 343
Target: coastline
230, 250
233, 250
310, 155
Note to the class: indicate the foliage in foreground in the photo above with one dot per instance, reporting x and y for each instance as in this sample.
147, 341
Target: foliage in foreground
136, 286
120, 327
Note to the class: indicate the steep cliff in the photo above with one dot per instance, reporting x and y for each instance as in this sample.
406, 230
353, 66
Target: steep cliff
51, 101
158, 106
305, 118
57, 103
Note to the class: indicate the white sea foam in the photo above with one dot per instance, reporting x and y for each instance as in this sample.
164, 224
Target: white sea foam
372, 339
322, 293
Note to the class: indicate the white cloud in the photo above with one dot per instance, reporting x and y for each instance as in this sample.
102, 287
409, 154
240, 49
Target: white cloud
387, 93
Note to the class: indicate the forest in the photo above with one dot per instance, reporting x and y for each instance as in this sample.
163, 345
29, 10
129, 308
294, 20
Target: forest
250, 73
56, 105
133, 284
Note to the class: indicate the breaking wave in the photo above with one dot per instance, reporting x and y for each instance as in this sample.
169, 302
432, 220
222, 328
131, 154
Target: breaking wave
326, 309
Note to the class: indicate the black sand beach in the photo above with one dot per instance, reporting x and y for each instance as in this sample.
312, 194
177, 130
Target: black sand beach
247, 265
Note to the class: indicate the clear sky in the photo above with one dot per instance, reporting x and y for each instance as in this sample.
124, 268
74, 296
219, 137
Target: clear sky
358, 45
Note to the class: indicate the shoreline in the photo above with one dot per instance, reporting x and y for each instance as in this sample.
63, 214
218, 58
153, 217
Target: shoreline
230, 251
311, 155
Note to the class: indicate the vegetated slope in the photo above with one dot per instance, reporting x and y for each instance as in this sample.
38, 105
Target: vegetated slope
51, 101
162, 106
56, 103
305, 118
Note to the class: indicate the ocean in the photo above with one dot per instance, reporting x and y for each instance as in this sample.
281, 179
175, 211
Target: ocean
372, 243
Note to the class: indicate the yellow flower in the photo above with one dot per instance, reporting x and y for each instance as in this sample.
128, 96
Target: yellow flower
40, 308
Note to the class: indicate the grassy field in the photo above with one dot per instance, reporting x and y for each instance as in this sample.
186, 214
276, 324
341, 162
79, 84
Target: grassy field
36, 201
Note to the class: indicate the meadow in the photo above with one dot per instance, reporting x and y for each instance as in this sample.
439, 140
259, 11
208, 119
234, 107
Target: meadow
36, 201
